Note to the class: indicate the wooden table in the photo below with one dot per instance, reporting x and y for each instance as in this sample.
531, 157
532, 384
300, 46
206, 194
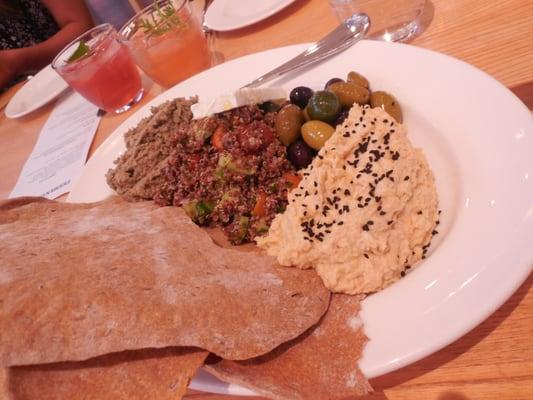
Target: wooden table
495, 360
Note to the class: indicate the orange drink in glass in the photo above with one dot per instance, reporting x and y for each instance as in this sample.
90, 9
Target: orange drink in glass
167, 42
99, 67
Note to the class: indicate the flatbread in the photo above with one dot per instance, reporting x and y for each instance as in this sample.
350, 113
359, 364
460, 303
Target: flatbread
143, 374
81, 280
4, 391
319, 365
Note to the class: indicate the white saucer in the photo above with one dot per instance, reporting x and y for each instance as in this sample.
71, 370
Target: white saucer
226, 15
45, 86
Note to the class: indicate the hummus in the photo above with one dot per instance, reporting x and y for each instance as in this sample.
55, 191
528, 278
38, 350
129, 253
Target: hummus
365, 210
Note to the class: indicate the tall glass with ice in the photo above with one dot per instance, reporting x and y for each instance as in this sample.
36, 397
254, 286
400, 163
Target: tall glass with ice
100, 67
167, 42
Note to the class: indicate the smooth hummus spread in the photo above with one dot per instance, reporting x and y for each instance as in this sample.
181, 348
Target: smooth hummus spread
365, 210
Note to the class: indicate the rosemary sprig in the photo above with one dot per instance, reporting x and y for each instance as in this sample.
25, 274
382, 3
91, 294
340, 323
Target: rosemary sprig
164, 19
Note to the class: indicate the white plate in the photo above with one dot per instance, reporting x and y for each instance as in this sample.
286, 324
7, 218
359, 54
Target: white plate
45, 86
227, 15
477, 137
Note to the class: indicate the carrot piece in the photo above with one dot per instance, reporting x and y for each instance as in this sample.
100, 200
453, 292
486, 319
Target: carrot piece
292, 179
217, 138
260, 205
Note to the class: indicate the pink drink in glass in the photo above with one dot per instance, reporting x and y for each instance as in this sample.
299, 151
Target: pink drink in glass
107, 76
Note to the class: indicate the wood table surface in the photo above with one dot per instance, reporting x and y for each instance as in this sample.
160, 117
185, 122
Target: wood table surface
493, 361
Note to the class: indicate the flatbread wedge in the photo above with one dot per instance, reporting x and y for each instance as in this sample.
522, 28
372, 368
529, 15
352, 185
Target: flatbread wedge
141, 374
82, 280
321, 364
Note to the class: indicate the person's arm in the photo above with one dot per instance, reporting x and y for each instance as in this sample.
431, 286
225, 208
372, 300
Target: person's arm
72, 17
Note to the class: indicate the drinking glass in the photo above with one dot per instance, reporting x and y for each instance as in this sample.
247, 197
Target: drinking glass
106, 75
167, 42
391, 20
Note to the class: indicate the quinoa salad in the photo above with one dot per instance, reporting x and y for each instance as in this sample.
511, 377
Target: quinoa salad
229, 170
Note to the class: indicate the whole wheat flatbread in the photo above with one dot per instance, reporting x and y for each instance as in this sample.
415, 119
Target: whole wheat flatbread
81, 280
142, 374
320, 365
4, 392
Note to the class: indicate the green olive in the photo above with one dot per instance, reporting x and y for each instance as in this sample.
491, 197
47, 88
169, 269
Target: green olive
288, 122
387, 102
324, 106
350, 93
358, 79
316, 133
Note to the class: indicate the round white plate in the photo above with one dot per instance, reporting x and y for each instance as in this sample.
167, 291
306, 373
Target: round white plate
477, 137
227, 15
45, 86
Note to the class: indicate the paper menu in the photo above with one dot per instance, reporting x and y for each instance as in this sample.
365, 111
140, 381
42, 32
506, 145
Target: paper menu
59, 155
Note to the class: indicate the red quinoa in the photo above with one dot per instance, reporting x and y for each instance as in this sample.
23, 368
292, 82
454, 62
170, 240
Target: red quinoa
222, 186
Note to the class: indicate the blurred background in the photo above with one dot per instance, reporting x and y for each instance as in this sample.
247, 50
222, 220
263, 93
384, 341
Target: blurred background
116, 12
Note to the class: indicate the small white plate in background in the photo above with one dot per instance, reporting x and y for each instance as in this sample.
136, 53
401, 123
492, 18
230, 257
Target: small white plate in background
227, 15
45, 86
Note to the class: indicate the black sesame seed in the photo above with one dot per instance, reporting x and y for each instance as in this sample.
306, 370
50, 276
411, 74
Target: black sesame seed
346, 192
406, 178
366, 255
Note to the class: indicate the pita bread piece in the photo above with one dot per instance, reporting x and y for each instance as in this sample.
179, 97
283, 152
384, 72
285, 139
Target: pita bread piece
4, 392
81, 280
141, 374
321, 364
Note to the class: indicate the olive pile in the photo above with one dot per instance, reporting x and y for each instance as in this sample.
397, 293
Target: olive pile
309, 120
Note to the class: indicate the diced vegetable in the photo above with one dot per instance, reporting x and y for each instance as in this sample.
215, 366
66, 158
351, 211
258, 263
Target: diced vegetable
218, 137
292, 179
198, 211
244, 223
204, 208
260, 205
